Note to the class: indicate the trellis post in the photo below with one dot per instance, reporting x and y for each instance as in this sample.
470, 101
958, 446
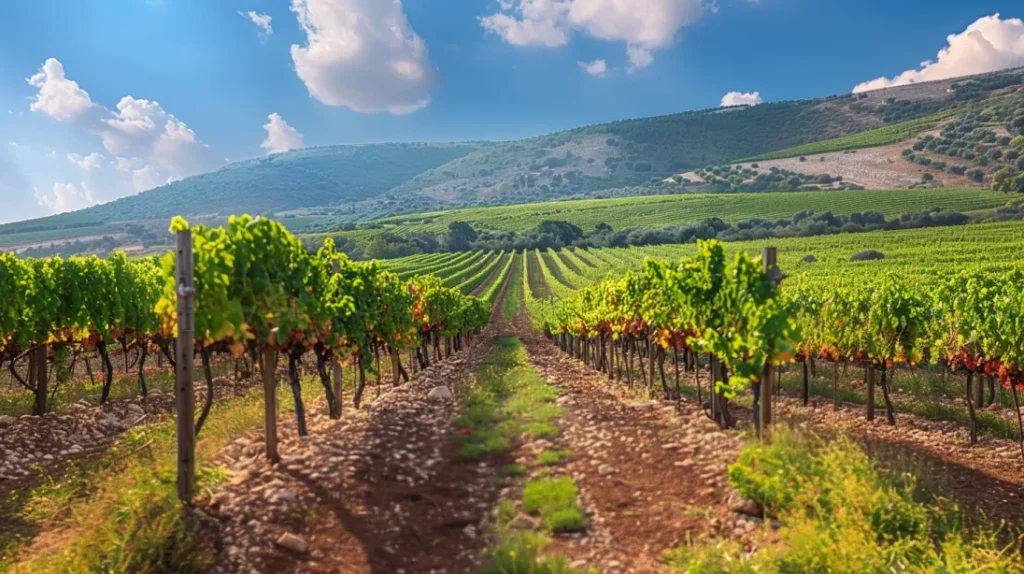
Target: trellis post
185, 401
337, 374
764, 395
269, 372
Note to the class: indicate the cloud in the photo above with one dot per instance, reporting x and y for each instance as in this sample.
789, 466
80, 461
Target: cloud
58, 97
66, 197
644, 25
741, 99
91, 161
532, 23
987, 45
150, 146
597, 68
281, 136
362, 54
262, 21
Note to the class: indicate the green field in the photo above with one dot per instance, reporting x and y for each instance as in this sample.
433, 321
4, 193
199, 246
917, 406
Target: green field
662, 210
921, 253
871, 138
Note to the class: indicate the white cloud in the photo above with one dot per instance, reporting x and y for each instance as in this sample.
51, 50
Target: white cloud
151, 146
597, 68
987, 45
262, 21
741, 99
645, 25
91, 161
58, 97
531, 23
281, 136
362, 54
66, 197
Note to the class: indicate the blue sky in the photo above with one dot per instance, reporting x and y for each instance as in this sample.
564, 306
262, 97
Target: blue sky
203, 76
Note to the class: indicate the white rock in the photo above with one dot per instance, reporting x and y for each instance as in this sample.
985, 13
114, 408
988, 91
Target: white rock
441, 392
606, 469
292, 542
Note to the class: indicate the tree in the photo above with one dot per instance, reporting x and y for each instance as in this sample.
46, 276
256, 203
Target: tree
460, 235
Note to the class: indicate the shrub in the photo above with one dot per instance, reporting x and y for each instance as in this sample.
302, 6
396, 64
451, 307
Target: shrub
867, 255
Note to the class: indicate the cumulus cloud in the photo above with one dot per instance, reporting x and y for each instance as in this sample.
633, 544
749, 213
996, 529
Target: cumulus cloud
58, 97
66, 197
989, 44
362, 54
741, 99
262, 22
91, 161
280, 136
150, 146
644, 25
597, 68
531, 23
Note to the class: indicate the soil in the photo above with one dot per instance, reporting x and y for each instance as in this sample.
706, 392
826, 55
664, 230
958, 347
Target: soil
882, 167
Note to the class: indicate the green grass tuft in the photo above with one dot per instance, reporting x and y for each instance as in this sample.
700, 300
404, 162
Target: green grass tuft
554, 500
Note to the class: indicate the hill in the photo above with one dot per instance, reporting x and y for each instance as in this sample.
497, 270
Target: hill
664, 210
327, 189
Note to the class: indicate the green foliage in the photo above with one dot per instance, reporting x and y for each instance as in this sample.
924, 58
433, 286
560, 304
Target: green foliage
521, 554
552, 457
882, 136
554, 500
841, 514
662, 210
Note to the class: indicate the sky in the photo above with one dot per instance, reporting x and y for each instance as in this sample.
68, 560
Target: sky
99, 100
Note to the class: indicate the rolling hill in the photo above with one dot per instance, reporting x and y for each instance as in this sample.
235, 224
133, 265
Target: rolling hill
326, 189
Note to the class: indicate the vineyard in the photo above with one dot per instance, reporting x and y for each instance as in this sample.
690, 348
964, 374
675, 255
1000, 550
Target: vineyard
515, 401
660, 210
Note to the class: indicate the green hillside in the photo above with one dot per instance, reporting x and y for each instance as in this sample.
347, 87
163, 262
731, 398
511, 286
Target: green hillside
661, 210
327, 189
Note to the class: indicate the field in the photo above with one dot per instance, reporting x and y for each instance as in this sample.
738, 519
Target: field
915, 253
662, 210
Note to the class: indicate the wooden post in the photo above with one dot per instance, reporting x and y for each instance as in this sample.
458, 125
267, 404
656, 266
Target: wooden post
395, 360
185, 400
768, 373
269, 371
337, 373
870, 376
42, 378
835, 386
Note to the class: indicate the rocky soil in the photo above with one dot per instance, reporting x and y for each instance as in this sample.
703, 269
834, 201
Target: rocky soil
378, 491
29, 443
650, 475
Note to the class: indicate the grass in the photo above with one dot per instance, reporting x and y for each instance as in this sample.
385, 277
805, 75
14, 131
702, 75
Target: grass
553, 457
554, 500
119, 512
921, 393
14, 400
515, 290
509, 401
840, 514
520, 553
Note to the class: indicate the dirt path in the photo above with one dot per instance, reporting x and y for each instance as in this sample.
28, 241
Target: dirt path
379, 491
649, 477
